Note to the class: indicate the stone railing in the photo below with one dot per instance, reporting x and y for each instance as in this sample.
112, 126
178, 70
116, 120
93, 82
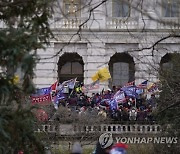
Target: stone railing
69, 23
169, 23
122, 23
68, 129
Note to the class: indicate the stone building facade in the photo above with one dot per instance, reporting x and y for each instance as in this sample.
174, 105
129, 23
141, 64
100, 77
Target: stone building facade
112, 35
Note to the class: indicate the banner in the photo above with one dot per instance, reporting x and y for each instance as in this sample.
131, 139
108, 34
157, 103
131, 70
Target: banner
130, 91
60, 95
113, 105
43, 99
101, 75
119, 96
43, 91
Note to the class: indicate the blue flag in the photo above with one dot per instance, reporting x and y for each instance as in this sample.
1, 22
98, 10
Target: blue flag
43, 91
113, 105
130, 91
143, 84
119, 96
60, 95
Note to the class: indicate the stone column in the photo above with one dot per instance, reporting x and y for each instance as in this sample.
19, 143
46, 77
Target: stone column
98, 15
94, 61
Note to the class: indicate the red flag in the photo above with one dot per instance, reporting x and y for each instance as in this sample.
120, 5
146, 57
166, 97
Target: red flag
54, 86
43, 99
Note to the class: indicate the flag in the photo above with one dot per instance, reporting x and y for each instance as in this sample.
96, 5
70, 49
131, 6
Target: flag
153, 87
16, 79
143, 85
54, 86
102, 75
60, 95
91, 86
43, 99
130, 91
43, 91
113, 104
129, 84
119, 96
139, 90
70, 83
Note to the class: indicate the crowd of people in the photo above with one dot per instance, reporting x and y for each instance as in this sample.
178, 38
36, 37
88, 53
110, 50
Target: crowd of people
131, 109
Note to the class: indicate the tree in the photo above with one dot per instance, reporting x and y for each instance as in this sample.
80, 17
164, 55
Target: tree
169, 102
25, 29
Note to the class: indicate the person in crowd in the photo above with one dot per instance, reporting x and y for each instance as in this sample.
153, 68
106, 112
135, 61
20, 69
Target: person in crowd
152, 101
102, 113
132, 114
76, 148
119, 148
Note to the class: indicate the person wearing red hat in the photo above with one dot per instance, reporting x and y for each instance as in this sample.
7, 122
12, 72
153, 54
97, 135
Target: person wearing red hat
119, 148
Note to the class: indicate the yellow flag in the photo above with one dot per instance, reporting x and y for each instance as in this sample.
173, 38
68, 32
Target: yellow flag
16, 79
95, 77
102, 75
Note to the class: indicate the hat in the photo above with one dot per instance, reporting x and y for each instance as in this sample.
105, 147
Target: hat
76, 149
119, 148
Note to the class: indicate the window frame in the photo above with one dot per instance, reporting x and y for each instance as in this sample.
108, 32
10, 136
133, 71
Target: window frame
72, 3
164, 5
121, 3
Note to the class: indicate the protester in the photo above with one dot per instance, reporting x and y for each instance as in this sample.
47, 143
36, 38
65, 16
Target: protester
76, 149
119, 148
118, 104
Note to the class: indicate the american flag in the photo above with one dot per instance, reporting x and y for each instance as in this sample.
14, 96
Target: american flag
143, 85
91, 86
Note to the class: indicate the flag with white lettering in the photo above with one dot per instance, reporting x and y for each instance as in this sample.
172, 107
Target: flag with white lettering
43, 91
119, 96
41, 100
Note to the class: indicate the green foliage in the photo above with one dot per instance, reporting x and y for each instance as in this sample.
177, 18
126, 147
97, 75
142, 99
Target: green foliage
169, 104
26, 30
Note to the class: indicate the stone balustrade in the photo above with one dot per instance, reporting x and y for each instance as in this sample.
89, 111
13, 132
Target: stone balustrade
69, 23
169, 23
68, 129
122, 23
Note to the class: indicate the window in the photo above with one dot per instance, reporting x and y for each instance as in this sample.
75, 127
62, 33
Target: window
70, 66
120, 73
170, 8
120, 8
72, 8
122, 69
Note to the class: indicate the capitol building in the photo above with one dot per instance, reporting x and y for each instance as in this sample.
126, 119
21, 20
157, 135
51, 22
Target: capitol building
133, 39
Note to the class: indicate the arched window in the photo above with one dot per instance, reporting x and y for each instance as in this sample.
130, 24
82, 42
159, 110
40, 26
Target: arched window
170, 65
121, 67
70, 66
166, 63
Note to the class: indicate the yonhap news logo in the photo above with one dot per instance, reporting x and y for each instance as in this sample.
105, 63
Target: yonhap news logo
106, 140
147, 140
